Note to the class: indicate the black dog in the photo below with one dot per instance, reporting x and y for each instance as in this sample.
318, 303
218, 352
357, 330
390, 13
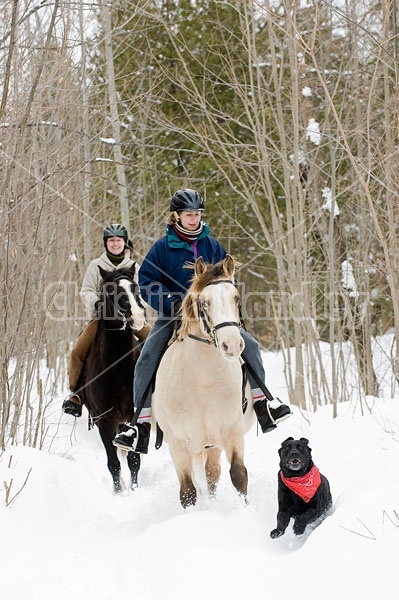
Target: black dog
303, 493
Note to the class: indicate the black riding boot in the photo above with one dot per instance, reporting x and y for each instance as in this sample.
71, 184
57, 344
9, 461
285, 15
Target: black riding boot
269, 416
134, 438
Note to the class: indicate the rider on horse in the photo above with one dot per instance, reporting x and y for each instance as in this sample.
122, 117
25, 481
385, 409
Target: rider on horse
163, 284
117, 253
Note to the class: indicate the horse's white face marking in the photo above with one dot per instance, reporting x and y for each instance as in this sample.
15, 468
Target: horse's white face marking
220, 303
137, 312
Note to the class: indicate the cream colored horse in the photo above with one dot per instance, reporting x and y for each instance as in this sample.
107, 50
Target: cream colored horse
197, 400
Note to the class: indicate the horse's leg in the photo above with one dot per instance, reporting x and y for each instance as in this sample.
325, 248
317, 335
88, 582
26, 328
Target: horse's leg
183, 465
212, 469
134, 462
114, 466
238, 471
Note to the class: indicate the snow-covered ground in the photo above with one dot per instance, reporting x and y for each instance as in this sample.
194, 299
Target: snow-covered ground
66, 535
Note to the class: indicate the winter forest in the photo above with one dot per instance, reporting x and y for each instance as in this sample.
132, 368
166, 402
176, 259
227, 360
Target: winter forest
283, 114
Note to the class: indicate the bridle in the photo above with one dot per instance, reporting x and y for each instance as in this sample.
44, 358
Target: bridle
209, 328
120, 315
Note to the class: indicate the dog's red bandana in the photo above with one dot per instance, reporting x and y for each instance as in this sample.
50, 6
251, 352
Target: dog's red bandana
306, 486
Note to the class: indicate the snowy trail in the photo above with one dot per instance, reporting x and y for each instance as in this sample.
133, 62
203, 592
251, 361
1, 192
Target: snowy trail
67, 533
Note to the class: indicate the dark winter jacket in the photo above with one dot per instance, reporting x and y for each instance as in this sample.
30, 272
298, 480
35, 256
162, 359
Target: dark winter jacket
162, 277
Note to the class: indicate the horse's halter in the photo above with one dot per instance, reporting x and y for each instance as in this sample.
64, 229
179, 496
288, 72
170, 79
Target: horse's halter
203, 316
121, 315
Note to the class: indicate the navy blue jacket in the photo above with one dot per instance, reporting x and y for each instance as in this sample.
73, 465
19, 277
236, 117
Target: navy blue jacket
162, 276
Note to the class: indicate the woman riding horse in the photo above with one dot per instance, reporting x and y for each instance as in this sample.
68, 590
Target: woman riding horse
163, 284
117, 253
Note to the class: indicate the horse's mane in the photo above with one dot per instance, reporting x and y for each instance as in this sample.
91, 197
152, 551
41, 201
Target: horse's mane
213, 271
117, 274
198, 283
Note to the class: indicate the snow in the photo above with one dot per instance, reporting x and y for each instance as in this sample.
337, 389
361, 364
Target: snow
348, 279
306, 91
329, 201
66, 535
109, 141
313, 132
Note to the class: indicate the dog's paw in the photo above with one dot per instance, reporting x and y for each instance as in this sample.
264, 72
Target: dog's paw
299, 527
275, 533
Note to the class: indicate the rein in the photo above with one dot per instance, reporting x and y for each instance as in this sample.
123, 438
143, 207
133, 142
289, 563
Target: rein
204, 318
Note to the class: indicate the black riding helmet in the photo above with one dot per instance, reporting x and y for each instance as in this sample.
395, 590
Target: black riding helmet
187, 200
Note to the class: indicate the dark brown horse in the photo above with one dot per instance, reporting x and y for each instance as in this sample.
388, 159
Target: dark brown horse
108, 388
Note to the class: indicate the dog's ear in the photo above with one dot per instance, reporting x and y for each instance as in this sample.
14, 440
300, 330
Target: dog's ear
306, 443
289, 439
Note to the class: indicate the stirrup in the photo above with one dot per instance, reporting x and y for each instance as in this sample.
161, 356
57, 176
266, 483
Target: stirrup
78, 398
135, 438
278, 413
71, 407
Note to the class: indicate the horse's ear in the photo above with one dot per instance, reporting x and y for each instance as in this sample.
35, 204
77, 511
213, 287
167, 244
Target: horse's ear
103, 272
228, 266
132, 271
200, 266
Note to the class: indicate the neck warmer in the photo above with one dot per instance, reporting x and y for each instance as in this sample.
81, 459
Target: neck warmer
116, 259
185, 234
306, 486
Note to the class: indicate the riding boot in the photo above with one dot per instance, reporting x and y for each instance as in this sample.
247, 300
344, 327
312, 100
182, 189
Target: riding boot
134, 438
268, 416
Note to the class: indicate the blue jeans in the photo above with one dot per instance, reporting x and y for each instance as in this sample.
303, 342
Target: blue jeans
154, 347
149, 359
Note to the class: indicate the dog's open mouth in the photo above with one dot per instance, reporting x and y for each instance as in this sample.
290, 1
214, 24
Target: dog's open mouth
294, 464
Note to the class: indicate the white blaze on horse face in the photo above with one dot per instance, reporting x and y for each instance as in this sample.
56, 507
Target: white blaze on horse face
221, 304
137, 312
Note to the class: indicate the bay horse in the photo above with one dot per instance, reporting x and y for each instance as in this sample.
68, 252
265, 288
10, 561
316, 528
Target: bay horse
197, 400
108, 387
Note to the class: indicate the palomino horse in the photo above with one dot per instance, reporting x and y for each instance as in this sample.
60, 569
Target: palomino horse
197, 399
108, 388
